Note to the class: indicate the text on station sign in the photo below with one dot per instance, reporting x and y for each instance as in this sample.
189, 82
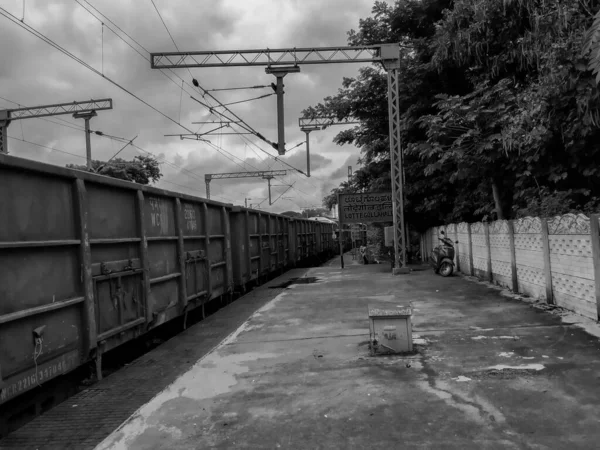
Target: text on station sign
367, 207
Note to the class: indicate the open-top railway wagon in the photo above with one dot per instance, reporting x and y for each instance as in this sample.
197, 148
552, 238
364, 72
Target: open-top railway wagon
88, 263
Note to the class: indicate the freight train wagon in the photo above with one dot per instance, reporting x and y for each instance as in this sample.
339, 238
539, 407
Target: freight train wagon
88, 263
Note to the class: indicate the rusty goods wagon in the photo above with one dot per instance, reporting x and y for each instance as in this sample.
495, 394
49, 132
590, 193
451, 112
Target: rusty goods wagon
88, 263
262, 241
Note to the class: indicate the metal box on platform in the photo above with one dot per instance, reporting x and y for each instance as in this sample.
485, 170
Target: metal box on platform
390, 329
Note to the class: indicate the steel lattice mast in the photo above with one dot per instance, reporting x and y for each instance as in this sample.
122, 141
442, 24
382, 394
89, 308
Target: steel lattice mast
80, 110
286, 60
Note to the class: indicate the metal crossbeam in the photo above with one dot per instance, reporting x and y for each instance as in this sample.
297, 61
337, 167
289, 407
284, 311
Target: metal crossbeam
264, 174
59, 108
80, 110
324, 121
266, 57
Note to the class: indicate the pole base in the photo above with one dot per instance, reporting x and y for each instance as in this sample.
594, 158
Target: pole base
400, 271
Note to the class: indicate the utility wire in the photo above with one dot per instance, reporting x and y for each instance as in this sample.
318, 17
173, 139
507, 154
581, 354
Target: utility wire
122, 148
147, 59
194, 175
65, 124
49, 41
46, 147
71, 125
244, 101
245, 126
196, 190
291, 186
165, 25
170, 35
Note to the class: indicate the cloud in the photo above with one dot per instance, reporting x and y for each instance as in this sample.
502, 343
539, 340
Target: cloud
34, 73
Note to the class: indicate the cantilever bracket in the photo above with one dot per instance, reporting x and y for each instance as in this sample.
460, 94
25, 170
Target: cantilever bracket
279, 73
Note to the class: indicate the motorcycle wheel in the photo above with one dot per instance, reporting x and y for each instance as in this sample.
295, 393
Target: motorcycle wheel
446, 269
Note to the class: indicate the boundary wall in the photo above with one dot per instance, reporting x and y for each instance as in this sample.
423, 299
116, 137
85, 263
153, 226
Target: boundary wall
555, 259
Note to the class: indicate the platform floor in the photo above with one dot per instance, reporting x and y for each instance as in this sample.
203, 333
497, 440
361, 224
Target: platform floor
298, 374
87, 418
491, 372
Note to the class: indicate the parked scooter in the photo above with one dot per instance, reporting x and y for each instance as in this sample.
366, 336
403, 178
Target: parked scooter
442, 257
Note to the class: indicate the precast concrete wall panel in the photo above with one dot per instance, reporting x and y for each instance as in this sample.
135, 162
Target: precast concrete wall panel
500, 253
480, 249
571, 264
462, 231
529, 257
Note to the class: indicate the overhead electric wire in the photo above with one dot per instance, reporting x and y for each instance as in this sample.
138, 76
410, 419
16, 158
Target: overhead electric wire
223, 105
244, 101
291, 187
165, 25
283, 162
170, 35
49, 148
49, 41
65, 124
169, 163
71, 125
194, 175
147, 59
210, 108
196, 190
66, 52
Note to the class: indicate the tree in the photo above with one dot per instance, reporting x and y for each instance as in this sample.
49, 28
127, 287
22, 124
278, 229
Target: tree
529, 125
142, 169
500, 113
316, 212
292, 214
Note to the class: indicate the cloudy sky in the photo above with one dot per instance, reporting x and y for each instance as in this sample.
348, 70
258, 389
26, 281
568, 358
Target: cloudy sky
34, 73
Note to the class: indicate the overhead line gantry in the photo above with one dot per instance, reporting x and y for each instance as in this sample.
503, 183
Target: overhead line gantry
80, 110
264, 174
279, 62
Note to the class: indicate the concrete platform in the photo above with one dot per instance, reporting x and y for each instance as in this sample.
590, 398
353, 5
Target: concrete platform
490, 372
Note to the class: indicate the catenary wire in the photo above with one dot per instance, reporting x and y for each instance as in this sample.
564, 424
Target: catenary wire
183, 81
41, 36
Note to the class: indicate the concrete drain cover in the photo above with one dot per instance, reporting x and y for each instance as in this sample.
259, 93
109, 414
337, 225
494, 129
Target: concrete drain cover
304, 280
506, 372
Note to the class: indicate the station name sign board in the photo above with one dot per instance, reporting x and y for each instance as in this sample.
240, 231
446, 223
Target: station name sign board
365, 207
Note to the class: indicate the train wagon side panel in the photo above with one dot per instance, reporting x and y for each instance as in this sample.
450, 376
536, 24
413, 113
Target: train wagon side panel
89, 262
120, 302
246, 242
292, 242
43, 306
